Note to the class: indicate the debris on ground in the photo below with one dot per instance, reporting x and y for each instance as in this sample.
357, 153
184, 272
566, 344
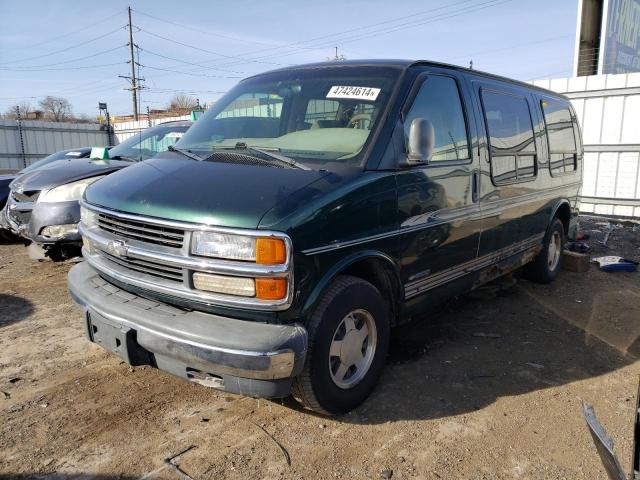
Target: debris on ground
575, 262
612, 263
537, 366
386, 474
486, 335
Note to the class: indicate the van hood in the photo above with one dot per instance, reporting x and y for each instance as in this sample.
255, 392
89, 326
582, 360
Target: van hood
222, 194
65, 171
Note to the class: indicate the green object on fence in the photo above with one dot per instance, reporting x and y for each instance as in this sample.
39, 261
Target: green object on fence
196, 114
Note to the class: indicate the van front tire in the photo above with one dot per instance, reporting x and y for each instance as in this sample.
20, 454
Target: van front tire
348, 343
546, 266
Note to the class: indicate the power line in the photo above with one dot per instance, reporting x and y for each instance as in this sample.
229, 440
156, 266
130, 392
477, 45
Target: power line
190, 92
63, 68
292, 45
67, 48
511, 48
383, 31
68, 34
205, 32
192, 74
393, 20
188, 63
26, 67
235, 57
417, 23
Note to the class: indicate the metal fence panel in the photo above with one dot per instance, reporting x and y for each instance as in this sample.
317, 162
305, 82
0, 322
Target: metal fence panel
44, 138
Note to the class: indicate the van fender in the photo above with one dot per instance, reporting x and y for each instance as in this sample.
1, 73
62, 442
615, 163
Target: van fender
554, 211
340, 267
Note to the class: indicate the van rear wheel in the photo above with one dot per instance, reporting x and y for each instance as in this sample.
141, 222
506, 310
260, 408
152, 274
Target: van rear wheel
348, 343
545, 267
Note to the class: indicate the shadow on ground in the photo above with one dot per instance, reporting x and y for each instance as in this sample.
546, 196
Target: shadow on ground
509, 342
13, 309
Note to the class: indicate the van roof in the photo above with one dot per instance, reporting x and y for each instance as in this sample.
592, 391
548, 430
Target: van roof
406, 64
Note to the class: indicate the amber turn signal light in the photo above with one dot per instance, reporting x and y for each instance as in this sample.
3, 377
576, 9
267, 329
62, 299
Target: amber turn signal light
271, 288
270, 251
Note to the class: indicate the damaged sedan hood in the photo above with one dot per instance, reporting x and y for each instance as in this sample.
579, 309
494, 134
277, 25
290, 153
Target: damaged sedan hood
65, 171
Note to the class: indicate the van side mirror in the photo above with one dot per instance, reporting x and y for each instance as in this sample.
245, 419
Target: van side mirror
422, 138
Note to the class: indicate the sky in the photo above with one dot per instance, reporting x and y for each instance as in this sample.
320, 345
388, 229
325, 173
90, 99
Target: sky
77, 49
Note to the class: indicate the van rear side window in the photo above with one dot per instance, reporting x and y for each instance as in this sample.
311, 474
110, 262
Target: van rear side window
561, 137
513, 149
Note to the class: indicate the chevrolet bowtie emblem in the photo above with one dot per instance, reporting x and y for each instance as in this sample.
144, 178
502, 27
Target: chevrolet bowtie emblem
117, 248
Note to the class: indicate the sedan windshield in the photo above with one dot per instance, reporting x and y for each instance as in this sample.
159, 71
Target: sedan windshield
319, 117
148, 142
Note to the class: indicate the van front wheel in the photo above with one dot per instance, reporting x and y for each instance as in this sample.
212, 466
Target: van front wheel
545, 267
348, 342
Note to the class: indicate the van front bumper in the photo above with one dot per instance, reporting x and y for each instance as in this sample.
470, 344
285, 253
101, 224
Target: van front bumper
249, 358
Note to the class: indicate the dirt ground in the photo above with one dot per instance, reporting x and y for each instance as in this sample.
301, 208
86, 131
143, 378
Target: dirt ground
489, 387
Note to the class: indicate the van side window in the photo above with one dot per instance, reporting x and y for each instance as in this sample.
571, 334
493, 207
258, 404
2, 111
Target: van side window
511, 139
439, 102
561, 137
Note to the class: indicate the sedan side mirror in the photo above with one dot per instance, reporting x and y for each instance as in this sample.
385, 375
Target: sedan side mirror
422, 138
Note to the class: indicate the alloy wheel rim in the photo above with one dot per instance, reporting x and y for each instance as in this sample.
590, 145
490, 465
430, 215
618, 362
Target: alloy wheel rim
352, 349
555, 249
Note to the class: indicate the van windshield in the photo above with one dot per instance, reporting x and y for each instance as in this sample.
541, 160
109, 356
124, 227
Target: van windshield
320, 117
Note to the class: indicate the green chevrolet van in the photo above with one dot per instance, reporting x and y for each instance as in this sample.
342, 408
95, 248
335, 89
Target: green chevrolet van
314, 208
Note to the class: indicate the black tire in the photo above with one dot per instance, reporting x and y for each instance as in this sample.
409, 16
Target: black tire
315, 388
542, 269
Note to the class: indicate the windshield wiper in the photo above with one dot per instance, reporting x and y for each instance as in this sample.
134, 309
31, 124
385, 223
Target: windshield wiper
268, 152
186, 153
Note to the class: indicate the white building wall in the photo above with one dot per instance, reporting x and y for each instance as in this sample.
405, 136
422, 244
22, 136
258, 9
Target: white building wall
608, 110
124, 130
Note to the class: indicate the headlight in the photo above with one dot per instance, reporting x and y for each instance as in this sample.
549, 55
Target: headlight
67, 192
263, 250
87, 217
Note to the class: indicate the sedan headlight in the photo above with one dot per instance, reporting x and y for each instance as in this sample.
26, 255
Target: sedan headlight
263, 250
67, 192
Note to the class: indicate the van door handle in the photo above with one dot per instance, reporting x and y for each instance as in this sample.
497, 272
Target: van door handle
474, 187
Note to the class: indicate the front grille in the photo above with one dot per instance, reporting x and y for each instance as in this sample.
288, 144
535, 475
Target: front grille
144, 232
147, 267
30, 196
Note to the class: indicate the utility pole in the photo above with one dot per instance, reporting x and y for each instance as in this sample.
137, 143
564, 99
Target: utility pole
336, 57
134, 82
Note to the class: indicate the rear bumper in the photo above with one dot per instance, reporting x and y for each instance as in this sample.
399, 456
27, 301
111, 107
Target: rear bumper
249, 358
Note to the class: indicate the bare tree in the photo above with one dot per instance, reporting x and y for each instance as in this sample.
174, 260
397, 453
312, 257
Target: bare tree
25, 110
182, 103
56, 109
